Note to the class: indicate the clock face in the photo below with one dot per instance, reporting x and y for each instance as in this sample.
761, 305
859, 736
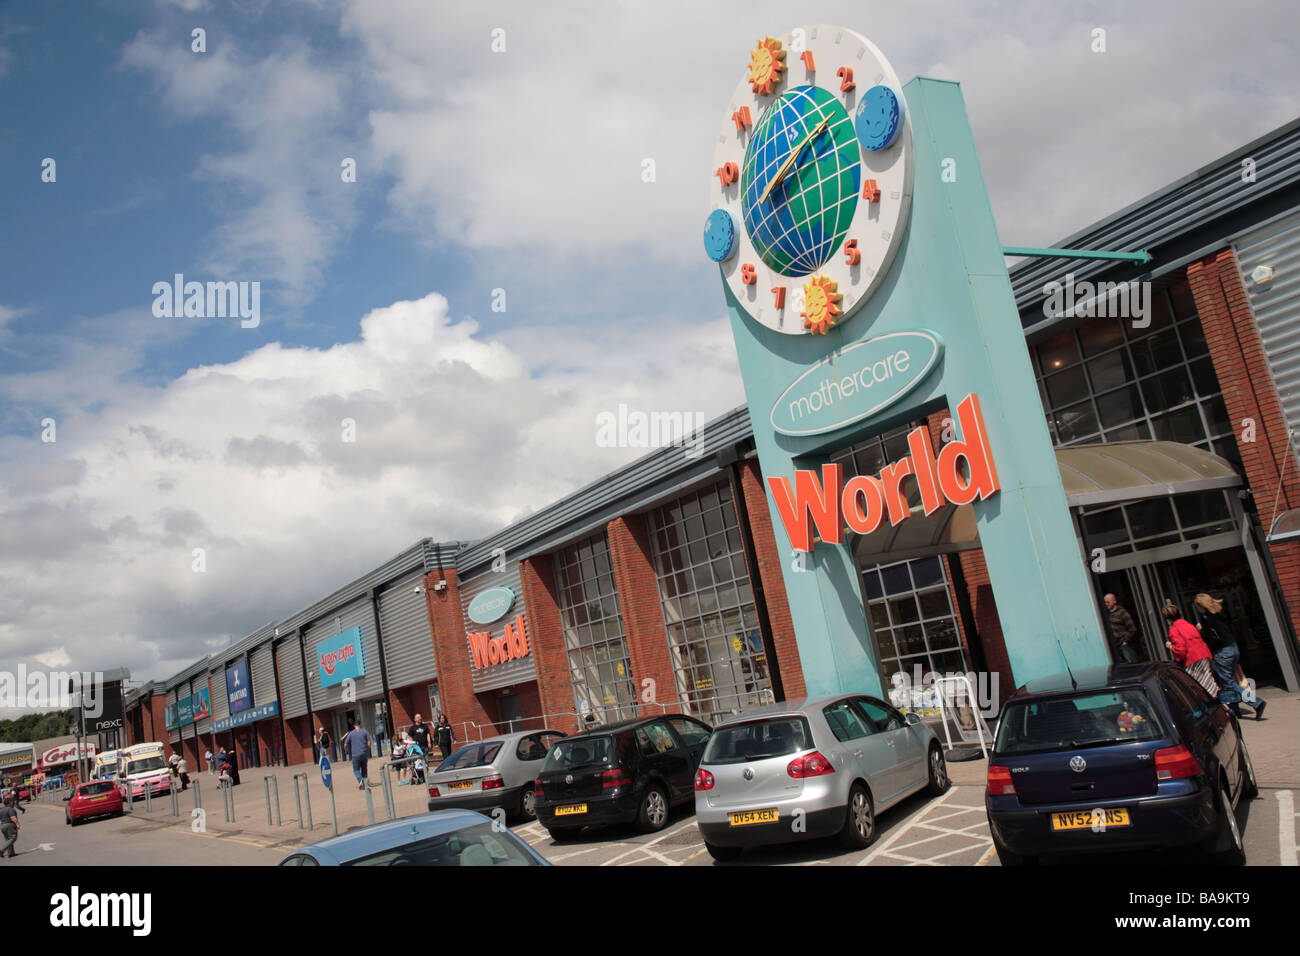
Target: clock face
813, 173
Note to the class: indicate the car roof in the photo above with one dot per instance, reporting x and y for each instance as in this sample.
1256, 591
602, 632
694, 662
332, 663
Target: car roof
1089, 679
506, 738
384, 836
798, 706
622, 725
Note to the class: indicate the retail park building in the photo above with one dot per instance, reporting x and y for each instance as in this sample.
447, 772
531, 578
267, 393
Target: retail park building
661, 584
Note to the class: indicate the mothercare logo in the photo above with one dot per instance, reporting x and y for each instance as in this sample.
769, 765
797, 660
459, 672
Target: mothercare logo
511, 645
216, 300
1099, 300
76, 909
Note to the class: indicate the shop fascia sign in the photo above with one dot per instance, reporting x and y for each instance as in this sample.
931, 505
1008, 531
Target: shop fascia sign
340, 657
828, 503
65, 753
492, 605
261, 712
511, 645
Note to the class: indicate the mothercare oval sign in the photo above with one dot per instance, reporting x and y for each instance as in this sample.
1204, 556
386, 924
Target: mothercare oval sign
492, 605
856, 382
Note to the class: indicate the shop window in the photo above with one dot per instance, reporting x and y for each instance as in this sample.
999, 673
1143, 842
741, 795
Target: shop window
1105, 528
1057, 353
1216, 416
1201, 508
1119, 407
1148, 518
1203, 377
1160, 318
1168, 389
1180, 294
1097, 337
1066, 387
1193, 337
1110, 371
1076, 423
1183, 426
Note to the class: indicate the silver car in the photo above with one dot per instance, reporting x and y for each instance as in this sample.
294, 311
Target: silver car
497, 772
815, 767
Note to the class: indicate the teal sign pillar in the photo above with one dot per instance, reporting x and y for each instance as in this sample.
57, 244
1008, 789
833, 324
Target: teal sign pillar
948, 281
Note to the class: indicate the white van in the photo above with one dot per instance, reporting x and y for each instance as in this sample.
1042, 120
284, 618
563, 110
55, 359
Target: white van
105, 765
143, 768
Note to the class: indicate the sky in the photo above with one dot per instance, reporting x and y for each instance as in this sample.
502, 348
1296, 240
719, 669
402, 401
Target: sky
498, 273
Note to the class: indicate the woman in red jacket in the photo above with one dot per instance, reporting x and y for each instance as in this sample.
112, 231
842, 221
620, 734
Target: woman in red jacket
1189, 650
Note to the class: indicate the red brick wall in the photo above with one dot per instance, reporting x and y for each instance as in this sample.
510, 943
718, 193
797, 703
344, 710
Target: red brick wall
985, 611
455, 684
297, 741
1249, 393
266, 741
158, 729
643, 614
403, 706
546, 638
772, 579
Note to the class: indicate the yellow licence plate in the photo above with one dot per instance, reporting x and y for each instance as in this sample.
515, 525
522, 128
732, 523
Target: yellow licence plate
1089, 819
461, 785
571, 810
746, 817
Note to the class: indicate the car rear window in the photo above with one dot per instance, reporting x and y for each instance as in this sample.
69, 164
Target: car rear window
478, 845
101, 786
474, 755
566, 754
759, 740
1083, 720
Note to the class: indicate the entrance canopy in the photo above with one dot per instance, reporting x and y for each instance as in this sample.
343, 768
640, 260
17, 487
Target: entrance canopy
1286, 526
1095, 474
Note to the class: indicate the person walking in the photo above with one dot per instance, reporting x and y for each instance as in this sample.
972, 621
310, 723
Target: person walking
1189, 650
323, 741
207, 759
1123, 631
422, 734
1220, 637
9, 826
357, 746
183, 772
445, 736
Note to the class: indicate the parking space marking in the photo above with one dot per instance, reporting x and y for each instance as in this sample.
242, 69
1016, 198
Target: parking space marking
902, 828
588, 849
1286, 817
645, 847
988, 854
936, 821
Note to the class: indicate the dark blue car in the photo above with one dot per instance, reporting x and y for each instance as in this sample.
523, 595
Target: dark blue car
1127, 757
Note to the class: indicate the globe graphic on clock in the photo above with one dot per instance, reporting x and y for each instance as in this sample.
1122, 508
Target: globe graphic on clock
806, 142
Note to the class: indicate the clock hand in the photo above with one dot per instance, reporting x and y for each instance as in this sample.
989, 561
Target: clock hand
789, 160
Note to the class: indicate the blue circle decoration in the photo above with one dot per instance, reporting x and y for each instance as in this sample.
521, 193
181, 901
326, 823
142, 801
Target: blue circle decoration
805, 216
719, 235
879, 118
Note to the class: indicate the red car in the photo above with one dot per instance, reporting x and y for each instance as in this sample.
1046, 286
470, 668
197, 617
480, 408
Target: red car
94, 799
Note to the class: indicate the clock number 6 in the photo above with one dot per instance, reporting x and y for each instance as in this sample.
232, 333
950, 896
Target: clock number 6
852, 254
728, 173
845, 73
747, 275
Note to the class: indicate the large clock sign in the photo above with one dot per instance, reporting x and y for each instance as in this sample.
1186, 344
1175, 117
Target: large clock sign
812, 179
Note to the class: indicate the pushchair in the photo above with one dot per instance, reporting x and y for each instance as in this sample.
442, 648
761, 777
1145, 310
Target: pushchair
415, 754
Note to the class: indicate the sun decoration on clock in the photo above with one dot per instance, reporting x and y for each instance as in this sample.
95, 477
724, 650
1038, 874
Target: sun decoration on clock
811, 180
820, 304
766, 61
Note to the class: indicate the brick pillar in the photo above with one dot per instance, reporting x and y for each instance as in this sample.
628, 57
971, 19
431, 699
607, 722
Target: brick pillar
1249, 393
546, 639
297, 740
401, 707
450, 650
643, 613
772, 580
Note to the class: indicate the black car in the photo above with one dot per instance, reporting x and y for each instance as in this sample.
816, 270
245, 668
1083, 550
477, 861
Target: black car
1126, 757
634, 771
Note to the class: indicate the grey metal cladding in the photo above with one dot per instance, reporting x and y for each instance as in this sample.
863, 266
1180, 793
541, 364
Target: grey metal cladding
395, 567
516, 671
367, 687
1276, 305
631, 488
288, 658
220, 703
1211, 192
173, 735
261, 671
408, 641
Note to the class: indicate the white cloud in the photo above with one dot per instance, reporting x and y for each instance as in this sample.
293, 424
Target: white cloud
457, 433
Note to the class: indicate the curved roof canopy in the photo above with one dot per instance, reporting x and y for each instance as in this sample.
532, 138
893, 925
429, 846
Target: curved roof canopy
1097, 474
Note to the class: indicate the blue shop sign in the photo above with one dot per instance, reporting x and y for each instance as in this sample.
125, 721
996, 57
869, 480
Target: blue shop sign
247, 717
340, 657
239, 691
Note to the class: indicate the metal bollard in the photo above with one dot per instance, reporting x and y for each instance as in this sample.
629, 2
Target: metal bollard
299, 798
370, 801
198, 802
389, 804
175, 799
269, 781
148, 799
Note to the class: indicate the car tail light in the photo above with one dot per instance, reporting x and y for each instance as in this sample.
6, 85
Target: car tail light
1175, 763
434, 792
1000, 783
537, 788
703, 780
493, 783
617, 777
809, 765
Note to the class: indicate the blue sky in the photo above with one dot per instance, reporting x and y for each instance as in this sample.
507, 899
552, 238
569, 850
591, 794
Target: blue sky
477, 170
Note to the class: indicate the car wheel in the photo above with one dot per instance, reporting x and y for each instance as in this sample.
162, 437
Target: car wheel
567, 833
860, 822
723, 853
1249, 787
528, 804
1228, 835
1007, 858
653, 814
939, 781
67, 820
